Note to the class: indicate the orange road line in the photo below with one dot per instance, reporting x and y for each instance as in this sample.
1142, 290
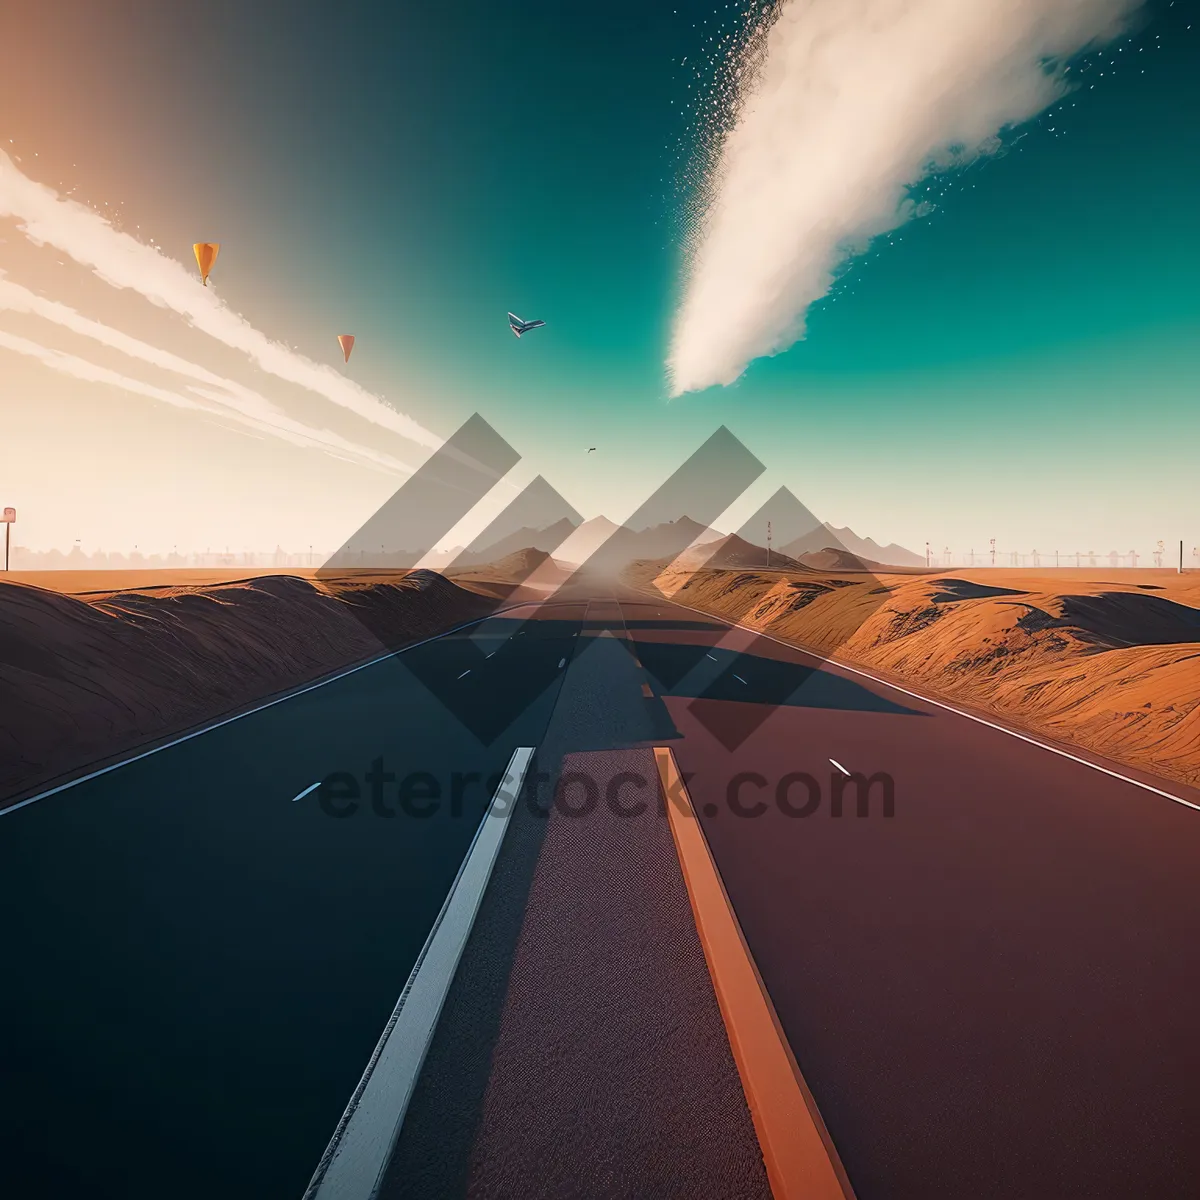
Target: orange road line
801, 1161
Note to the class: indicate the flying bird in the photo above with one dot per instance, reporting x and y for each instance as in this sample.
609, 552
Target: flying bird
519, 327
590, 449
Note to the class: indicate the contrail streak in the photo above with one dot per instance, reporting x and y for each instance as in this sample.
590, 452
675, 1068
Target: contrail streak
45, 217
243, 404
210, 404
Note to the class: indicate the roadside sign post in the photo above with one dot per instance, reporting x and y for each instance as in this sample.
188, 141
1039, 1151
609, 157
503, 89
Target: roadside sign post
9, 517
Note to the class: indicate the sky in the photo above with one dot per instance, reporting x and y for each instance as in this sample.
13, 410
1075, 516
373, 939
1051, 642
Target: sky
1019, 362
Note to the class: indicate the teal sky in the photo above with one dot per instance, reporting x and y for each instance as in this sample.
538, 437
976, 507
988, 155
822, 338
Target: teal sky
1022, 364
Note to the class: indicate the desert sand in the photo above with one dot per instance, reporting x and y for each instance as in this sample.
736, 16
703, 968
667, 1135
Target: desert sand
498, 578
92, 671
83, 582
1104, 660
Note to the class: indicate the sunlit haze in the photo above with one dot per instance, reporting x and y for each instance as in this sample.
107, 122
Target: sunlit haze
933, 264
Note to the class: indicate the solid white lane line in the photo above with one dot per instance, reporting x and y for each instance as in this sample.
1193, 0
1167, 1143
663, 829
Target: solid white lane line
958, 712
839, 766
312, 687
357, 1156
465, 673
307, 791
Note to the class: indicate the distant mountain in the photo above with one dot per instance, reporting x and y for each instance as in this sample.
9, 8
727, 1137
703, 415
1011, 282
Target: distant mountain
548, 540
733, 552
609, 547
584, 541
829, 537
670, 538
518, 565
832, 559
604, 545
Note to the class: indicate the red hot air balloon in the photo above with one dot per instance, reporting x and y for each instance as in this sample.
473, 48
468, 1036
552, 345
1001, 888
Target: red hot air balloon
346, 341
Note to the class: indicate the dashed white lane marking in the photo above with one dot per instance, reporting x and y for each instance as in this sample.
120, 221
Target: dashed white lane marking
307, 791
710, 656
465, 673
958, 712
560, 663
312, 687
839, 766
740, 679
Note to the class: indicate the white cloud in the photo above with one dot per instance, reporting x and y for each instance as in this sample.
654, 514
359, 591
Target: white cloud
853, 102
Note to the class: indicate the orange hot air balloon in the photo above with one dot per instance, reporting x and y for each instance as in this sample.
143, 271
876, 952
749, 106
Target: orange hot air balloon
346, 341
206, 255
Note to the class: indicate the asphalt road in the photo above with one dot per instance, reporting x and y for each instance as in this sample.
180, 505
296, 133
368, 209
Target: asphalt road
197, 967
990, 993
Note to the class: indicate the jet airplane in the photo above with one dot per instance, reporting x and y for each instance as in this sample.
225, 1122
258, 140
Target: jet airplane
519, 327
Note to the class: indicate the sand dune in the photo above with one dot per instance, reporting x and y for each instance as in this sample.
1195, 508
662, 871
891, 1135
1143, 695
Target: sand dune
1109, 661
90, 677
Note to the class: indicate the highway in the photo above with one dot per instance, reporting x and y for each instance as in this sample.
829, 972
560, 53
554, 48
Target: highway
197, 966
989, 992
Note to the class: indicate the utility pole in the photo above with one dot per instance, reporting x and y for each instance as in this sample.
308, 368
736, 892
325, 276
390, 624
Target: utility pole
1180, 556
769, 546
927, 554
1056, 558
993, 552
9, 519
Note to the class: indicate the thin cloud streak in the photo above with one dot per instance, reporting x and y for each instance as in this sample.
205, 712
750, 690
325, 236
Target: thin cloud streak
122, 261
244, 404
210, 404
852, 103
